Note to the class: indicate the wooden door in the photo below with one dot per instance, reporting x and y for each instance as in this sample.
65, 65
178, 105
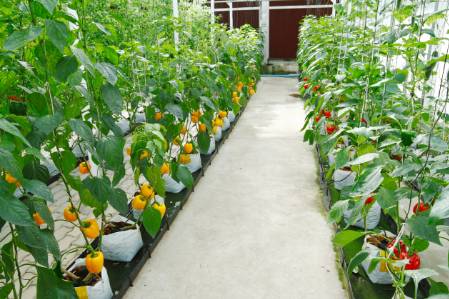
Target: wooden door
284, 25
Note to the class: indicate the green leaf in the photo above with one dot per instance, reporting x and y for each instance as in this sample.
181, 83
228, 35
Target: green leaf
153, 175
424, 228
345, 237
50, 286
208, 102
341, 158
33, 170
363, 159
5, 290
408, 168
100, 188
119, 200
14, 211
420, 245
357, 260
48, 123
83, 59
82, 130
58, 34
11, 129
387, 200
175, 110
420, 274
373, 264
20, 38
38, 189
7, 258
337, 210
441, 207
203, 142
438, 287
112, 98
151, 219
49, 5
42, 208
9, 163
65, 161
110, 123
108, 71
39, 238
368, 181
184, 175
110, 150
43, 126
66, 66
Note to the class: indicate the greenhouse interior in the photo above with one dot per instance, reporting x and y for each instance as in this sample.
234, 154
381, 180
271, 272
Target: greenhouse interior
229, 149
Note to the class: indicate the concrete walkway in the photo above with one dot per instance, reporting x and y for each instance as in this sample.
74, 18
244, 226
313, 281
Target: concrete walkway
254, 227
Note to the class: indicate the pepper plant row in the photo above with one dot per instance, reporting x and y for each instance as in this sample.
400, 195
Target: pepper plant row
76, 77
381, 132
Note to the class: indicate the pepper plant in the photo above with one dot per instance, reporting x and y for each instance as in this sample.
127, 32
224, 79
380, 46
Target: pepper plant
374, 115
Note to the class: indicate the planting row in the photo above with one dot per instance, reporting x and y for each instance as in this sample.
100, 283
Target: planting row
381, 137
83, 85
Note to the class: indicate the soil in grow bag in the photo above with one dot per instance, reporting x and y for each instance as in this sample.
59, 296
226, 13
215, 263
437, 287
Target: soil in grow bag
81, 277
115, 227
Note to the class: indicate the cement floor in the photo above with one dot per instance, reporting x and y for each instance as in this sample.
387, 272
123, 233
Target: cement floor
255, 226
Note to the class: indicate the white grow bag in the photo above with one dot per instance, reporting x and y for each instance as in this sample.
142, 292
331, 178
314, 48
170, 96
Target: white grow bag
124, 126
380, 274
218, 135
195, 162
211, 146
171, 185
231, 116
140, 117
122, 246
101, 290
343, 178
372, 218
226, 124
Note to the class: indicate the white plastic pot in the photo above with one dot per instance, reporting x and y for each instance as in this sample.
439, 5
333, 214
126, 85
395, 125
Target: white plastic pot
372, 218
101, 290
122, 246
231, 116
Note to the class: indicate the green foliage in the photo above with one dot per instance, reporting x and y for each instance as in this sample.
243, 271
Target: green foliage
381, 121
70, 72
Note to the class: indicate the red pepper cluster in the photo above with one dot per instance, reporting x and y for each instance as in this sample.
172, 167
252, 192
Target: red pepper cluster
370, 200
401, 254
330, 128
327, 115
422, 207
